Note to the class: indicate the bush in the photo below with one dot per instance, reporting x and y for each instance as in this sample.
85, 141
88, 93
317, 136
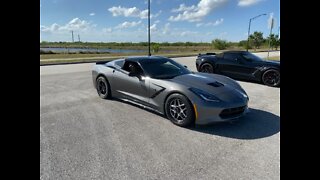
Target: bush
155, 47
220, 44
46, 52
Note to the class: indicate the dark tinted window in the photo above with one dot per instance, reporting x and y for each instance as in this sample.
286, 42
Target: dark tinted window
163, 68
119, 63
251, 57
132, 67
230, 56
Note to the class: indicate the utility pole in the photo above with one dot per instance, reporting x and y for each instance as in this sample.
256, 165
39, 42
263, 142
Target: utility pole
72, 36
250, 26
79, 37
149, 54
270, 36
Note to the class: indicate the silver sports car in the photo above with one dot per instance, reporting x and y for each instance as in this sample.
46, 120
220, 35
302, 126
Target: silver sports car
165, 86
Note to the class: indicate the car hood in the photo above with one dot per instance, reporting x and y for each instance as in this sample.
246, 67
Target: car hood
214, 84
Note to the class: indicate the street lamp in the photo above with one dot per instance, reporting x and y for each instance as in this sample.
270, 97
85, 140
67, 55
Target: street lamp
249, 27
149, 53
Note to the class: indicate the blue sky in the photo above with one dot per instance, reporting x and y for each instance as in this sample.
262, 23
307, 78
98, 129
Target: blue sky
172, 20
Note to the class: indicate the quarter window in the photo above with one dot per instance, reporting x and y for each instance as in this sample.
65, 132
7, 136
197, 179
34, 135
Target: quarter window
230, 56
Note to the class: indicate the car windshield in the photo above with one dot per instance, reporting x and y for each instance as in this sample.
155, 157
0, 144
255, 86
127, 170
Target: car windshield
251, 57
163, 68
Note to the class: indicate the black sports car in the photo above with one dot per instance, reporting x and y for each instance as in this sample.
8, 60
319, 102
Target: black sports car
240, 65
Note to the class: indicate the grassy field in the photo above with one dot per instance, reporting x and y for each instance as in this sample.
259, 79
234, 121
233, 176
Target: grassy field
170, 50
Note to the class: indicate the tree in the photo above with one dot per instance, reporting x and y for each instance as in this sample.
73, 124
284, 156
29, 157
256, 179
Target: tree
274, 41
155, 47
257, 39
220, 44
243, 44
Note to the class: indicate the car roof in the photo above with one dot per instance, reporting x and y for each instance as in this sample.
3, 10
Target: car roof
234, 51
144, 58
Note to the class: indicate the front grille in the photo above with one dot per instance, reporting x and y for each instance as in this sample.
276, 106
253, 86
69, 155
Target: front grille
232, 112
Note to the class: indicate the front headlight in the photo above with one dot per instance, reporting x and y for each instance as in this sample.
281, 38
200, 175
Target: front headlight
204, 95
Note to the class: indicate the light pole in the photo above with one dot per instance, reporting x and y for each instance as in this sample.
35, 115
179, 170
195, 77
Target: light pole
149, 27
249, 27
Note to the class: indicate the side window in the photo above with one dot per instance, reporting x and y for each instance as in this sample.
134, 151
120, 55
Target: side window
230, 56
132, 67
119, 63
126, 66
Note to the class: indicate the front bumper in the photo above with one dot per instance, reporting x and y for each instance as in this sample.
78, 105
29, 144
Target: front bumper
208, 113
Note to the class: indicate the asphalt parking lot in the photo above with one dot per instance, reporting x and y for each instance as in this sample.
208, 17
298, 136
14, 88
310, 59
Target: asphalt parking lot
85, 137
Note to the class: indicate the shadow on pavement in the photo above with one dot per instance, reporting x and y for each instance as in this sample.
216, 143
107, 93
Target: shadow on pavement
254, 125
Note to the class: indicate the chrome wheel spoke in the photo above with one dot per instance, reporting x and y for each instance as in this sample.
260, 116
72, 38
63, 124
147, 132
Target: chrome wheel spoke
177, 110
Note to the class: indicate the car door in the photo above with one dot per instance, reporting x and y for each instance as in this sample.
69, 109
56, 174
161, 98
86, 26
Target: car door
248, 67
233, 65
135, 88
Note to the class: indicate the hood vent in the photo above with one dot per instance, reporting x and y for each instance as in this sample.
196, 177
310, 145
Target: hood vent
215, 84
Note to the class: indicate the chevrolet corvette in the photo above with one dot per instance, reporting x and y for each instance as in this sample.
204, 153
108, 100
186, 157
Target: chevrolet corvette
167, 87
240, 65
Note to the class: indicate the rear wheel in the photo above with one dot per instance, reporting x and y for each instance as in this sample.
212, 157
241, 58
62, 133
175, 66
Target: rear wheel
271, 78
207, 68
103, 88
179, 110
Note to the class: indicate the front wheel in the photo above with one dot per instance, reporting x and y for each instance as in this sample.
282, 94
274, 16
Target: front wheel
271, 78
103, 88
179, 110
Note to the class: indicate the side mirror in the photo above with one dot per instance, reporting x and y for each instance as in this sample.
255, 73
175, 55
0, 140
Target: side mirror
134, 74
186, 66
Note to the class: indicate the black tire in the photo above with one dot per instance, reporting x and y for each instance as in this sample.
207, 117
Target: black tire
179, 110
271, 78
103, 88
207, 68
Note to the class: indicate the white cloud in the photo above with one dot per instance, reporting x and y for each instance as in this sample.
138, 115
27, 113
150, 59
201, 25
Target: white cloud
127, 24
188, 33
244, 3
131, 12
199, 24
153, 28
196, 13
75, 24
52, 28
216, 23
92, 14
122, 11
107, 30
219, 21
157, 21
155, 15
166, 28
183, 7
